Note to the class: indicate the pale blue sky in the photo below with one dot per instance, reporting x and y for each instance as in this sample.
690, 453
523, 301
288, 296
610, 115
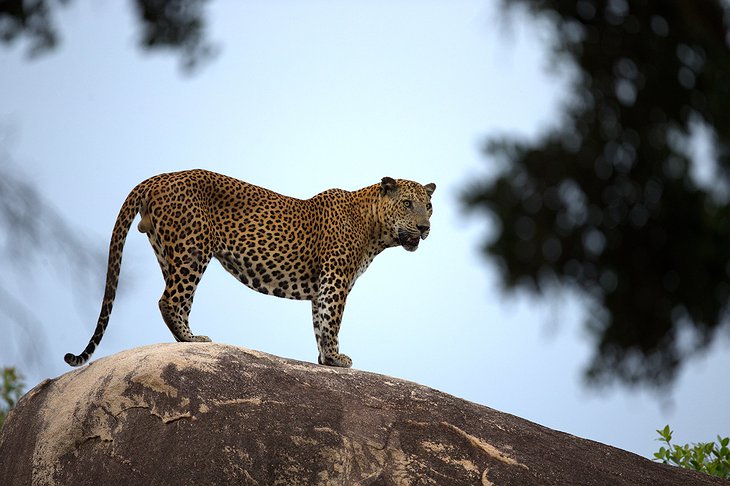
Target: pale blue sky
304, 96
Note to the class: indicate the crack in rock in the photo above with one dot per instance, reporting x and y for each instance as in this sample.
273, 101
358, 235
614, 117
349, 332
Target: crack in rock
486, 447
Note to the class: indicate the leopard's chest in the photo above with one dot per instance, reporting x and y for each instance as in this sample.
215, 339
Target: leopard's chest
362, 266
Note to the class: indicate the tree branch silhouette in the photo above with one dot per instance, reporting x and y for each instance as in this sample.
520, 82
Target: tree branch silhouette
605, 201
31, 229
175, 25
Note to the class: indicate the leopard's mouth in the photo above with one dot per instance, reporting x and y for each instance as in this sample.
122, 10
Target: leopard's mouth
408, 241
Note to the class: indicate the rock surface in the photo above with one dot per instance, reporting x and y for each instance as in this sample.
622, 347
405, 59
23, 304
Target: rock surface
207, 413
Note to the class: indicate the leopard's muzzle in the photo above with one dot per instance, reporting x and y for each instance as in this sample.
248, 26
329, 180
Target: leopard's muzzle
410, 240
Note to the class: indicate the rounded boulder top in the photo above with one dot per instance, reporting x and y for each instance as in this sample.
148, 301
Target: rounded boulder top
208, 413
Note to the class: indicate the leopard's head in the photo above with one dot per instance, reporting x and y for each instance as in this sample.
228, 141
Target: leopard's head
407, 211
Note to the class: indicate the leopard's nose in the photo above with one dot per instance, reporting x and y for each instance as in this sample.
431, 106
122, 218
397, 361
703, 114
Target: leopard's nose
423, 227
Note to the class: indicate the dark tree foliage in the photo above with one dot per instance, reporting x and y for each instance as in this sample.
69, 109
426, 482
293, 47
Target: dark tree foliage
175, 24
165, 24
29, 18
605, 201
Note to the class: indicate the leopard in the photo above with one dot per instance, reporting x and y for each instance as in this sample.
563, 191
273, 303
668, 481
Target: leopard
303, 249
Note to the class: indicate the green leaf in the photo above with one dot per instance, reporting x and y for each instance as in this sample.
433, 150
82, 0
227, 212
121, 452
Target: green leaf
708, 457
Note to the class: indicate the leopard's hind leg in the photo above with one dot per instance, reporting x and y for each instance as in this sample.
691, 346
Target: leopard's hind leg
182, 265
175, 305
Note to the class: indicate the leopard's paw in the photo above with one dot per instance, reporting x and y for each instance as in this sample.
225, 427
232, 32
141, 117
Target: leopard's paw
340, 360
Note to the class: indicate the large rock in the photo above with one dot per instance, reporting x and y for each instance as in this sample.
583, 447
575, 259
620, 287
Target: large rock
205, 413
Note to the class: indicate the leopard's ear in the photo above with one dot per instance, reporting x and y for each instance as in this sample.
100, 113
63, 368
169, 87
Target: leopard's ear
388, 186
430, 188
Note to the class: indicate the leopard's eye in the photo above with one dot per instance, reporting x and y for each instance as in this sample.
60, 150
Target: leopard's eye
408, 204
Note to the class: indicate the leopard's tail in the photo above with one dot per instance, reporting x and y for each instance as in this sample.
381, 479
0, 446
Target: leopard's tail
127, 213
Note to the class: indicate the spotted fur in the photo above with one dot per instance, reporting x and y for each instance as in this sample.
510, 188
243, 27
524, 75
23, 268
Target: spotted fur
310, 249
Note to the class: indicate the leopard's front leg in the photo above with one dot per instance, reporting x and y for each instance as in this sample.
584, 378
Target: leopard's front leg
327, 310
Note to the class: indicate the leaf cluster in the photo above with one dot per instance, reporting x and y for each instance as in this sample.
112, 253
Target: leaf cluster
11, 389
708, 457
